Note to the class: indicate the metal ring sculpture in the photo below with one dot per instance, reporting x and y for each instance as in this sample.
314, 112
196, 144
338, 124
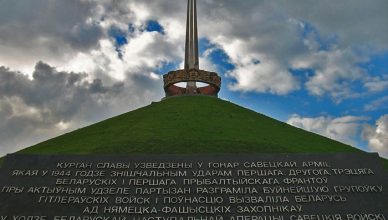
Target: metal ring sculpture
192, 75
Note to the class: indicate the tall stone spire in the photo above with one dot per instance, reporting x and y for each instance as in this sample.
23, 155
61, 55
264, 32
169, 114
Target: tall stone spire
191, 58
191, 54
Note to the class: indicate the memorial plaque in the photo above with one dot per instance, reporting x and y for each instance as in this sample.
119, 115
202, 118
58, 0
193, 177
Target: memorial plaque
175, 187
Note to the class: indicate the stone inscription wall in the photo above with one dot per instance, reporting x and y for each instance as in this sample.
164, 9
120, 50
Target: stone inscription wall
255, 187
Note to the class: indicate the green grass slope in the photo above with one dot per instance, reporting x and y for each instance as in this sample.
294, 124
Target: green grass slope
191, 124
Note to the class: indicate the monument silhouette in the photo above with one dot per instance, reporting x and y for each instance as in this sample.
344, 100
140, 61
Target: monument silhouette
191, 74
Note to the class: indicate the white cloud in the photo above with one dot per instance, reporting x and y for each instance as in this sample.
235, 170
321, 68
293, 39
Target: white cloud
354, 22
377, 84
265, 77
145, 52
380, 103
268, 31
344, 129
335, 71
377, 136
54, 102
271, 32
85, 80
260, 58
52, 31
22, 125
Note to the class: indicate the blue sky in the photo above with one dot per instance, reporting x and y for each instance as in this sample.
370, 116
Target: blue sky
320, 66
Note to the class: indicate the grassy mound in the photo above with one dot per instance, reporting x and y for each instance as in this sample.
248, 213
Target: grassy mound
190, 125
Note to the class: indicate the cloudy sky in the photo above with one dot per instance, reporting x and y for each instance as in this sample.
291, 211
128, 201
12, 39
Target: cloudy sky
318, 65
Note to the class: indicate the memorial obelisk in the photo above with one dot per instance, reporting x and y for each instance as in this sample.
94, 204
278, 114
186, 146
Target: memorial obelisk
191, 74
191, 53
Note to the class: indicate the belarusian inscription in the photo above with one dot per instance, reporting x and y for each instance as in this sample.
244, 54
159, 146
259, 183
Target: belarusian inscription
262, 187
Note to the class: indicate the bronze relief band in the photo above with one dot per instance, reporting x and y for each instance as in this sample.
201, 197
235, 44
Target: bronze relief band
192, 75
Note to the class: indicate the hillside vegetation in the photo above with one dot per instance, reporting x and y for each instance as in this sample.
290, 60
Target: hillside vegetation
189, 125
